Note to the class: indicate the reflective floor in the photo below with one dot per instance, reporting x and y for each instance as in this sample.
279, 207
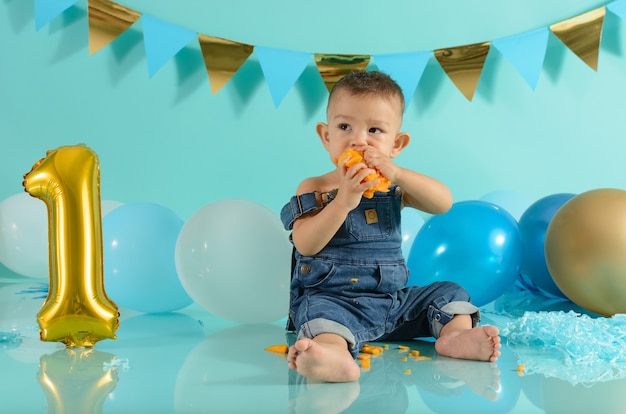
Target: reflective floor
193, 362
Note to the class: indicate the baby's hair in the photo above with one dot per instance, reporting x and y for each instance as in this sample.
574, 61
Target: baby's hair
369, 83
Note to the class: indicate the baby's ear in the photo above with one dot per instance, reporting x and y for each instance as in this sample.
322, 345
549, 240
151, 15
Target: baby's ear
401, 141
322, 130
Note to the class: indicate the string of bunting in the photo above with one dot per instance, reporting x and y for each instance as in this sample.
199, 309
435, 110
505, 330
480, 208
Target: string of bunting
282, 68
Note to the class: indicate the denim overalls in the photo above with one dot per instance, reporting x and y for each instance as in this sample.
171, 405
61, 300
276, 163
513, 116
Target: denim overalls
356, 286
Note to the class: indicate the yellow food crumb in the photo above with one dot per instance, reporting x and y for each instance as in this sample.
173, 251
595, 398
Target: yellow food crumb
386, 346
407, 371
422, 358
414, 353
403, 348
404, 359
371, 349
354, 279
520, 370
281, 349
365, 363
363, 356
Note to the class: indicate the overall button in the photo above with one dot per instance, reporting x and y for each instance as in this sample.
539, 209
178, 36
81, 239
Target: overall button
305, 268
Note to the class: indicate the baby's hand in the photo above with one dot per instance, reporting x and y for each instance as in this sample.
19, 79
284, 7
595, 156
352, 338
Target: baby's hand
353, 182
377, 160
376, 180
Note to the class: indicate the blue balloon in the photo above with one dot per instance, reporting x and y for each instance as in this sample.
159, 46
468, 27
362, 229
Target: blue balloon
533, 226
139, 241
475, 244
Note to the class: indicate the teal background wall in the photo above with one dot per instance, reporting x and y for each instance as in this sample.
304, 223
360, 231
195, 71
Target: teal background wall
169, 141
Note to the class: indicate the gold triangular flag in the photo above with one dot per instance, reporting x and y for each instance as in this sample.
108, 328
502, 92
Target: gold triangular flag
222, 58
334, 67
107, 20
463, 65
582, 35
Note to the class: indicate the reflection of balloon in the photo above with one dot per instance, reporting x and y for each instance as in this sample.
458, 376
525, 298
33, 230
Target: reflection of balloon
221, 370
19, 304
234, 258
24, 236
475, 244
585, 250
412, 222
512, 201
74, 380
155, 346
139, 270
533, 225
603, 397
77, 310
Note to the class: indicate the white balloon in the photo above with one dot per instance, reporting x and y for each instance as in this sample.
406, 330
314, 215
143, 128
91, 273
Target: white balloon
234, 259
107, 206
24, 235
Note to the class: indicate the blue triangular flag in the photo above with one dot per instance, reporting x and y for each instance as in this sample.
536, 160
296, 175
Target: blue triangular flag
162, 41
281, 69
405, 68
46, 10
618, 7
526, 51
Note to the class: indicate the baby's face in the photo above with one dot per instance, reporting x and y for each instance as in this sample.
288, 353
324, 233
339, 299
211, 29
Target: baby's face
361, 121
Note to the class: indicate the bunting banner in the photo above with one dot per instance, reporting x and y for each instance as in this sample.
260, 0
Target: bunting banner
526, 51
618, 8
405, 68
582, 35
46, 10
222, 58
162, 41
107, 20
463, 64
334, 67
281, 69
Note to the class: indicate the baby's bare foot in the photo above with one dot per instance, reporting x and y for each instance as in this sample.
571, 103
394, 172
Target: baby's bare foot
323, 361
481, 343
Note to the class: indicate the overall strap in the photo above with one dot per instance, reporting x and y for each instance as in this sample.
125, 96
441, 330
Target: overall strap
304, 203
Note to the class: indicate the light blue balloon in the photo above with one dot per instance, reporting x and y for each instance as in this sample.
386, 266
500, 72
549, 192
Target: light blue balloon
475, 244
512, 201
139, 241
412, 222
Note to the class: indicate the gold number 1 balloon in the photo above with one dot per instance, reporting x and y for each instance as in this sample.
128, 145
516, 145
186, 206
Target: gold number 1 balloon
77, 310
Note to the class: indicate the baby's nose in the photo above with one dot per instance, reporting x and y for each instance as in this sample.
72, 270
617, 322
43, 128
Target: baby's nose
359, 140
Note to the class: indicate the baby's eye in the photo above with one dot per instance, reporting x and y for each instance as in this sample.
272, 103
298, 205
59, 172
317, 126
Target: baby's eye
375, 130
345, 127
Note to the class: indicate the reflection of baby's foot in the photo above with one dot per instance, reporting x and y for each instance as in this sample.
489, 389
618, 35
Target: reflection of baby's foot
481, 343
483, 379
326, 361
325, 398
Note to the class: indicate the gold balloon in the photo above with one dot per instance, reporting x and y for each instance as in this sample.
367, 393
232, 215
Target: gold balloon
585, 250
77, 310
76, 381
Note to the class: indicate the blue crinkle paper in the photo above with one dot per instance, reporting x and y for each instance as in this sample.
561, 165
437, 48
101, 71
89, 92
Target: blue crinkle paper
570, 346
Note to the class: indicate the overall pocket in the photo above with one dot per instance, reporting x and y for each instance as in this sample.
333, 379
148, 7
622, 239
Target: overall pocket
372, 221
